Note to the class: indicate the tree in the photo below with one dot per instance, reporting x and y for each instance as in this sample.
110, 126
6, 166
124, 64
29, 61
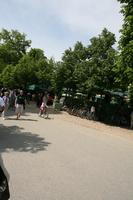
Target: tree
8, 76
130, 95
125, 60
13, 45
86, 69
65, 74
101, 62
33, 68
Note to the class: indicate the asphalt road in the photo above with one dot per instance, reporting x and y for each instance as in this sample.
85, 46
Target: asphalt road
54, 159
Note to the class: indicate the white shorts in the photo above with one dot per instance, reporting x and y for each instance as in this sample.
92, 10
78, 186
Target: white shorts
19, 108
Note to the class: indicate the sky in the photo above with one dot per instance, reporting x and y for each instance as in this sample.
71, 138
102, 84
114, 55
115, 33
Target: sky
56, 25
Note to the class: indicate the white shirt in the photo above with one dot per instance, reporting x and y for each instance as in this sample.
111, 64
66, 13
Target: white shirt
92, 109
2, 102
6, 100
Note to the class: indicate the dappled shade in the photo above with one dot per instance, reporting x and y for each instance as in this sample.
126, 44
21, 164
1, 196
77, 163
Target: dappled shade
12, 138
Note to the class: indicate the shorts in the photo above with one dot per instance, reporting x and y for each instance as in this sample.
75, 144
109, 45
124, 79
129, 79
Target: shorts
19, 108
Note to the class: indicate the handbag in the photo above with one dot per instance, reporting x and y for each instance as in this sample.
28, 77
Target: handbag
4, 187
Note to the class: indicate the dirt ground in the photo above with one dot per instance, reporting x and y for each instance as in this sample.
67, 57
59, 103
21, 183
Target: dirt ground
104, 128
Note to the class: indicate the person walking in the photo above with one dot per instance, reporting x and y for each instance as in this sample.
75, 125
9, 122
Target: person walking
44, 108
12, 97
6, 102
20, 104
2, 104
131, 123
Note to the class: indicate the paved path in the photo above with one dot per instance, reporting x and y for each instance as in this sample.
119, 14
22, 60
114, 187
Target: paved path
57, 159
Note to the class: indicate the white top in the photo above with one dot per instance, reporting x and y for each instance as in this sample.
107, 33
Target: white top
6, 100
92, 109
2, 102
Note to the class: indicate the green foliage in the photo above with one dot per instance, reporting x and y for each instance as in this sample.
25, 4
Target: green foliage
34, 68
82, 69
85, 69
102, 60
19, 68
8, 76
68, 72
13, 45
125, 62
130, 95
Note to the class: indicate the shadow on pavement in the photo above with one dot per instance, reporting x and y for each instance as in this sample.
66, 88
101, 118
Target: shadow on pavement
22, 119
13, 139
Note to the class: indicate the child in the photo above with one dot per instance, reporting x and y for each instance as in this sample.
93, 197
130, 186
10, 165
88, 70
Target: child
43, 110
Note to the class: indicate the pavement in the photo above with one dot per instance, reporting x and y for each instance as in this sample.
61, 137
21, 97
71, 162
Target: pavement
65, 158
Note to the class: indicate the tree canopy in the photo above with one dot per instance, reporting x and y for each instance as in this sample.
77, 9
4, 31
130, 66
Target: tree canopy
13, 45
86, 68
125, 60
95, 68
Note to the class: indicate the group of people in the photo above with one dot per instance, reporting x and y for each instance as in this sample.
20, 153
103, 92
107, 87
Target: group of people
17, 100
19, 103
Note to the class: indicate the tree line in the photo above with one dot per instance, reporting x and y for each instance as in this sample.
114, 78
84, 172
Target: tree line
90, 69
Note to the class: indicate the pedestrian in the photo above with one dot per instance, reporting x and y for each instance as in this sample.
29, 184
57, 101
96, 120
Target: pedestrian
131, 124
92, 112
44, 108
20, 104
12, 97
45, 98
55, 103
6, 102
2, 104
